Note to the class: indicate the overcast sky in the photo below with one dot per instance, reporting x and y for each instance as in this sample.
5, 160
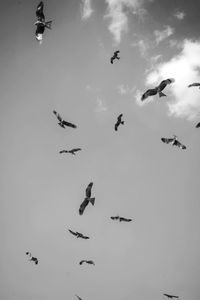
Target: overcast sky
135, 175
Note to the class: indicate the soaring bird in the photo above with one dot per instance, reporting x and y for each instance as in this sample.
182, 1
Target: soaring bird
121, 219
198, 125
62, 122
194, 84
90, 262
87, 198
158, 89
72, 151
41, 23
78, 234
115, 56
31, 258
79, 298
170, 296
119, 121
173, 141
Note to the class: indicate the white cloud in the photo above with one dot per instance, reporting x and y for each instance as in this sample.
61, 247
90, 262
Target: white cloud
86, 9
180, 15
101, 106
161, 35
125, 89
143, 47
185, 68
118, 15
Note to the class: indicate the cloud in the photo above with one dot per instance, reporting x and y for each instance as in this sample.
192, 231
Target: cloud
117, 12
143, 47
180, 15
125, 89
185, 68
161, 35
101, 106
86, 9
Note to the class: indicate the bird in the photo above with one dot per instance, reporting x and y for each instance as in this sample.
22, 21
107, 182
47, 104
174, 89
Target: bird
31, 258
158, 89
78, 234
119, 121
194, 84
79, 298
198, 125
90, 262
41, 23
115, 56
173, 141
62, 122
87, 198
121, 219
72, 151
170, 296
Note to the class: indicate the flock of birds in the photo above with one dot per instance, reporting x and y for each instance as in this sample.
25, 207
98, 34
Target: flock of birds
41, 25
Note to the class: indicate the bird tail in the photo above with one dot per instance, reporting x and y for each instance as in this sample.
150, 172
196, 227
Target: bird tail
161, 94
92, 200
48, 24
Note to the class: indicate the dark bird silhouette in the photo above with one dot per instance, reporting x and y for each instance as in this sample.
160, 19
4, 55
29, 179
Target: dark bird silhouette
87, 198
72, 151
79, 298
121, 219
170, 296
194, 84
198, 125
119, 121
174, 142
31, 258
78, 234
41, 23
62, 122
115, 56
158, 89
90, 262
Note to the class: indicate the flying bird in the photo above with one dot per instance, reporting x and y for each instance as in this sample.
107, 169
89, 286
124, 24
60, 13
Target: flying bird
170, 296
121, 219
119, 121
41, 23
158, 89
72, 151
90, 262
173, 141
79, 298
87, 198
194, 84
62, 122
115, 56
31, 258
78, 234
198, 125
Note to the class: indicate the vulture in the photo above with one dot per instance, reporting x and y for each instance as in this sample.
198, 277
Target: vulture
87, 198
170, 296
198, 125
62, 122
119, 121
72, 151
41, 23
90, 262
173, 141
115, 56
194, 84
158, 89
79, 298
121, 219
78, 234
31, 258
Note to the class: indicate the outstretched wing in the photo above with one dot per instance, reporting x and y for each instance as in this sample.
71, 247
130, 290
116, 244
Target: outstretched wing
148, 93
124, 219
166, 140
111, 60
164, 83
119, 117
79, 298
88, 190
198, 125
76, 149
69, 124
177, 143
117, 125
116, 52
194, 84
115, 218
39, 11
170, 296
72, 232
57, 115
83, 206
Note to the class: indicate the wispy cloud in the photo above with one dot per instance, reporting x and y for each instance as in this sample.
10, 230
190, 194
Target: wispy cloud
117, 12
161, 35
125, 89
143, 47
101, 106
86, 9
180, 15
185, 68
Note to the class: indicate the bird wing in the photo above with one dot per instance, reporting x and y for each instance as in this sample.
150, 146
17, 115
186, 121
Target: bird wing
69, 124
119, 117
76, 149
39, 11
116, 125
198, 125
180, 145
79, 298
39, 29
116, 52
194, 84
83, 206
88, 190
57, 115
85, 237
150, 92
72, 232
166, 140
111, 60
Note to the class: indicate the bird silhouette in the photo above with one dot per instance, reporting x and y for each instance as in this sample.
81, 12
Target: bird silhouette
194, 84
78, 234
90, 262
79, 298
31, 258
40, 23
119, 121
121, 219
87, 198
174, 142
115, 56
198, 125
158, 89
62, 122
170, 296
72, 151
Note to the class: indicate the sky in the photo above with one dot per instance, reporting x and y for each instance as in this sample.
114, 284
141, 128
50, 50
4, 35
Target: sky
135, 175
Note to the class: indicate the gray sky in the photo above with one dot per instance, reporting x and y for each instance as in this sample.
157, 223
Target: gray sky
135, 175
